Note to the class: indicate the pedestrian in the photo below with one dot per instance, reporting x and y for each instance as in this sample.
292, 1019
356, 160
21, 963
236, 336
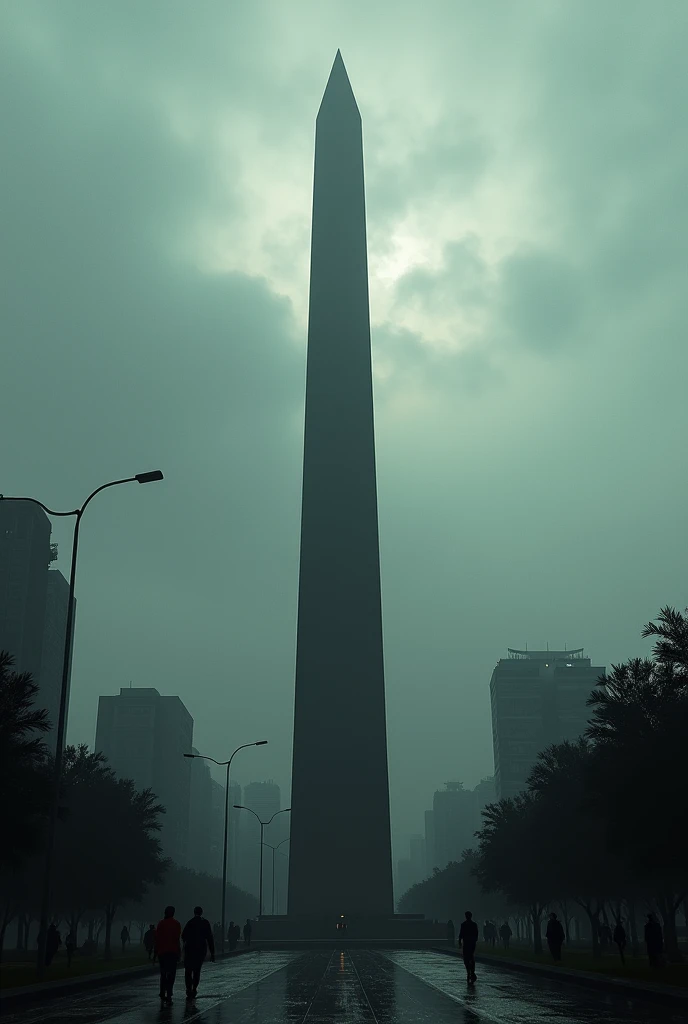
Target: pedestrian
124, 937
555, 936
620, 940
468, 939
451, 933
654, 941
52, 944
70, 946
492, 933
168, 950
198, 939
231, 936
605, 936
237, 934
505, 934
149, 942
247, 932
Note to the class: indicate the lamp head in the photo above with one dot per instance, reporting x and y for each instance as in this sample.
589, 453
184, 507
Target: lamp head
149, 478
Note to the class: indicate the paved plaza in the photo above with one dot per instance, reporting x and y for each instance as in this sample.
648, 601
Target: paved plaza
346, 987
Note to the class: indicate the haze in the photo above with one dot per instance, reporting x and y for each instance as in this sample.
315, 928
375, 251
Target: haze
526, 169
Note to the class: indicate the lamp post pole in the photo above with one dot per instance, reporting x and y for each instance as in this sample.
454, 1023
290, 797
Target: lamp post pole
141, 478
228, 764
241, 807
274, 851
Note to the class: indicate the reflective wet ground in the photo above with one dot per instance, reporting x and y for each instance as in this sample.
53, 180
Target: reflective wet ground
351, 987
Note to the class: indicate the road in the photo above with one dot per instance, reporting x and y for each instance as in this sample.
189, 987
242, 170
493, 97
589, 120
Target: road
352, 987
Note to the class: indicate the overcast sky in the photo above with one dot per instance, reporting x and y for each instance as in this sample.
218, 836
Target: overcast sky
526, 185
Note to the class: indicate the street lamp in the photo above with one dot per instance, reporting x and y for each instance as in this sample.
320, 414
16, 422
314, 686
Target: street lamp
228, 765
141, 478
240, 807
274, 850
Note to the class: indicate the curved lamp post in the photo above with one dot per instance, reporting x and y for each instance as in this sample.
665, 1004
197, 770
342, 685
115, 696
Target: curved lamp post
275, 849
228, 765
141, 478
240, 807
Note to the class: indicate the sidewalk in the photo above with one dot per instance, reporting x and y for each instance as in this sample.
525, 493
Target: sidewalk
670, 994
63, 986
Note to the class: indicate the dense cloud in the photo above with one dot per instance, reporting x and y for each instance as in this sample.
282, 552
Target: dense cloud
526, 171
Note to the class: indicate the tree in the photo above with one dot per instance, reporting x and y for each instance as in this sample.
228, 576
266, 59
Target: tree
449, 892
512, 859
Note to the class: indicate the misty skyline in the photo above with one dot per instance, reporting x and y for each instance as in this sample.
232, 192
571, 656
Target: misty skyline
525, 185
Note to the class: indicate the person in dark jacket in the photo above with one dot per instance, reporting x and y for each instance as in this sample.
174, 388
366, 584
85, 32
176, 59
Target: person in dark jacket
198, 939
505, 934
168, 950
620, 940
247, 932
52, 944
232, 936
70, 947
555, 936
654, 941
149, 942
124, 937
468, 940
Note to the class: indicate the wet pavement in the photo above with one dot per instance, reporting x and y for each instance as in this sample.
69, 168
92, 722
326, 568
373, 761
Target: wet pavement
346, 987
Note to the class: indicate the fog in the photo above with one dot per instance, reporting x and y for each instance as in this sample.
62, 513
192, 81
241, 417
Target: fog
525, 170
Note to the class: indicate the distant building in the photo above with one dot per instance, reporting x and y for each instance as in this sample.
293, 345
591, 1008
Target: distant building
33, 602
538, 698
417, 857
52, 655
144, 737
453, 818
430, 862
264, 799
199, 851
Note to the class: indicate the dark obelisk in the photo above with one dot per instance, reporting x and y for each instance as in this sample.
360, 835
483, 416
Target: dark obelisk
340, 850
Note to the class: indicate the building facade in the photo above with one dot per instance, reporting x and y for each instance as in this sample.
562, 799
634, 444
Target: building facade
538, 698
144, 736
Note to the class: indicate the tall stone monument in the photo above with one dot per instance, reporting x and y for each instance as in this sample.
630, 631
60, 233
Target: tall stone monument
340, 851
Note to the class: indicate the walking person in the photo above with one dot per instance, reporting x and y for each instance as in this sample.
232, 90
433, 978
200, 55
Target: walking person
654, 941
232, 936
198, 939
555, 936
468, 939
52, 944
247, 932
505, 934
124, 937
149, 942
70, 947
620, 940
168, 950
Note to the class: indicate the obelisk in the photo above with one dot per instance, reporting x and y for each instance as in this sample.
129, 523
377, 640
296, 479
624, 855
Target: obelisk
340, 850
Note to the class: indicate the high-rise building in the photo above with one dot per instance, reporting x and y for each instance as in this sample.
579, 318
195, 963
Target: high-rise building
453, 815
199, 851
417, 857
52, 656
264, 799
430, 861
33, 603
341, 855
144, 736
538, 698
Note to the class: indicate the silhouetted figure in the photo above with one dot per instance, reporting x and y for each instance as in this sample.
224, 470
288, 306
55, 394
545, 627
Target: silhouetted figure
124, 937
555, 936
654, 941
70, 947
605, 936
505, 934
149, 942
198, 939
468, 939
247, 932
52, 944
451, 932
168, 950
491, 933
620, 940
232, 936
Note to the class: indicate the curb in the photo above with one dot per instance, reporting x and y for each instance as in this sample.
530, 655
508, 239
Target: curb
660, 993
63, 986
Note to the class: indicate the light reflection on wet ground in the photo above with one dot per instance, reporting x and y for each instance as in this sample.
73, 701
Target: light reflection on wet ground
351, 987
